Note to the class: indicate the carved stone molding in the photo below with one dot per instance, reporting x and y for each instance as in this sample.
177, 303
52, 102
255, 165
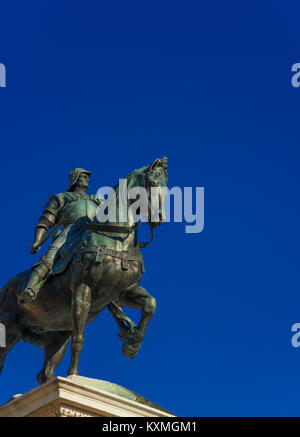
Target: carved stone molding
61, 411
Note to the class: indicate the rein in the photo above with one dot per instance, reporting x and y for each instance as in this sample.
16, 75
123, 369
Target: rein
142, 245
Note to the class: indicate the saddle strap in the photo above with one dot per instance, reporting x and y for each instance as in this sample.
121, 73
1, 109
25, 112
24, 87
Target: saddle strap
109, 228
124, 256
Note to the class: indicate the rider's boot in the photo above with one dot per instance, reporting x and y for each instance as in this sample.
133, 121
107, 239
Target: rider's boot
39, 273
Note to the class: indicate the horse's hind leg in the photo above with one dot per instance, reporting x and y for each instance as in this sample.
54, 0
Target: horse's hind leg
55, 345
81, 302
137, 297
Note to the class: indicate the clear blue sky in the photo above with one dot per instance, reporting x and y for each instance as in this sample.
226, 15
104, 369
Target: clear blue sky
209, 85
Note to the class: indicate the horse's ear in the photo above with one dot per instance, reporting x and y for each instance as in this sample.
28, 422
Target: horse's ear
154, 164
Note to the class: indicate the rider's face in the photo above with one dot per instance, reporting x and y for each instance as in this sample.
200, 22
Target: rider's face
84, 180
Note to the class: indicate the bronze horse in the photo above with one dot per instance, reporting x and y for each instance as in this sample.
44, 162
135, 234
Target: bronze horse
104, 268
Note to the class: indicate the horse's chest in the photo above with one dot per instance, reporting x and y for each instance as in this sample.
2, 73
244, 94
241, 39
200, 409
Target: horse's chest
115, 269
112, 278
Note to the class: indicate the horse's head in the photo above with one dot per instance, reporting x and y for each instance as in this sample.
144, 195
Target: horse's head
143, 194
155, 180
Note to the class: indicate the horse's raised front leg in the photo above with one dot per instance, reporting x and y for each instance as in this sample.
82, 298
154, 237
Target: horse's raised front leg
137, 297
81, 302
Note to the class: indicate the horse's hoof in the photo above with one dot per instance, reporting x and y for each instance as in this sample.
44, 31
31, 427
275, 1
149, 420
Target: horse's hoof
130, 349
42, 378
72, 373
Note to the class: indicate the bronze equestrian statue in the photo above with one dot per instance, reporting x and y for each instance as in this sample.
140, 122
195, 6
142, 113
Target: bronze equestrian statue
89, 266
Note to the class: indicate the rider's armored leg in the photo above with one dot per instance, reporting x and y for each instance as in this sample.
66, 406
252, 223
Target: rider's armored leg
39, 272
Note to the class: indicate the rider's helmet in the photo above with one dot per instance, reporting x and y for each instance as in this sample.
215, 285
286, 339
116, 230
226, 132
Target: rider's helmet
74, 175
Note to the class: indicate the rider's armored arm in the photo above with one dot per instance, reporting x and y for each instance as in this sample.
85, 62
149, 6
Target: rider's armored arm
48, 219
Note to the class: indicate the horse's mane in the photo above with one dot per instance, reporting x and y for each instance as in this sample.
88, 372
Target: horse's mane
131, 179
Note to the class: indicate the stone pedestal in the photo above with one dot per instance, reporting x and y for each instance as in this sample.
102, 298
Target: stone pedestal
78, 396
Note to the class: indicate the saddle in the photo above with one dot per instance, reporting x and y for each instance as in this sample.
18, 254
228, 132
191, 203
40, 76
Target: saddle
75, 244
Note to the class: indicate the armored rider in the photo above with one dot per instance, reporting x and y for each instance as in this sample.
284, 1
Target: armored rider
63, 210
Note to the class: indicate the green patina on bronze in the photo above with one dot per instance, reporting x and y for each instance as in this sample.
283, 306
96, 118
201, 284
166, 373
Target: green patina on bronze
85, 269
115, 389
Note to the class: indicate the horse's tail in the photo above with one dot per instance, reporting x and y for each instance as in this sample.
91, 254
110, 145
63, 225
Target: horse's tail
9, 292
122, 320
3, 351
10, 331
2, 296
